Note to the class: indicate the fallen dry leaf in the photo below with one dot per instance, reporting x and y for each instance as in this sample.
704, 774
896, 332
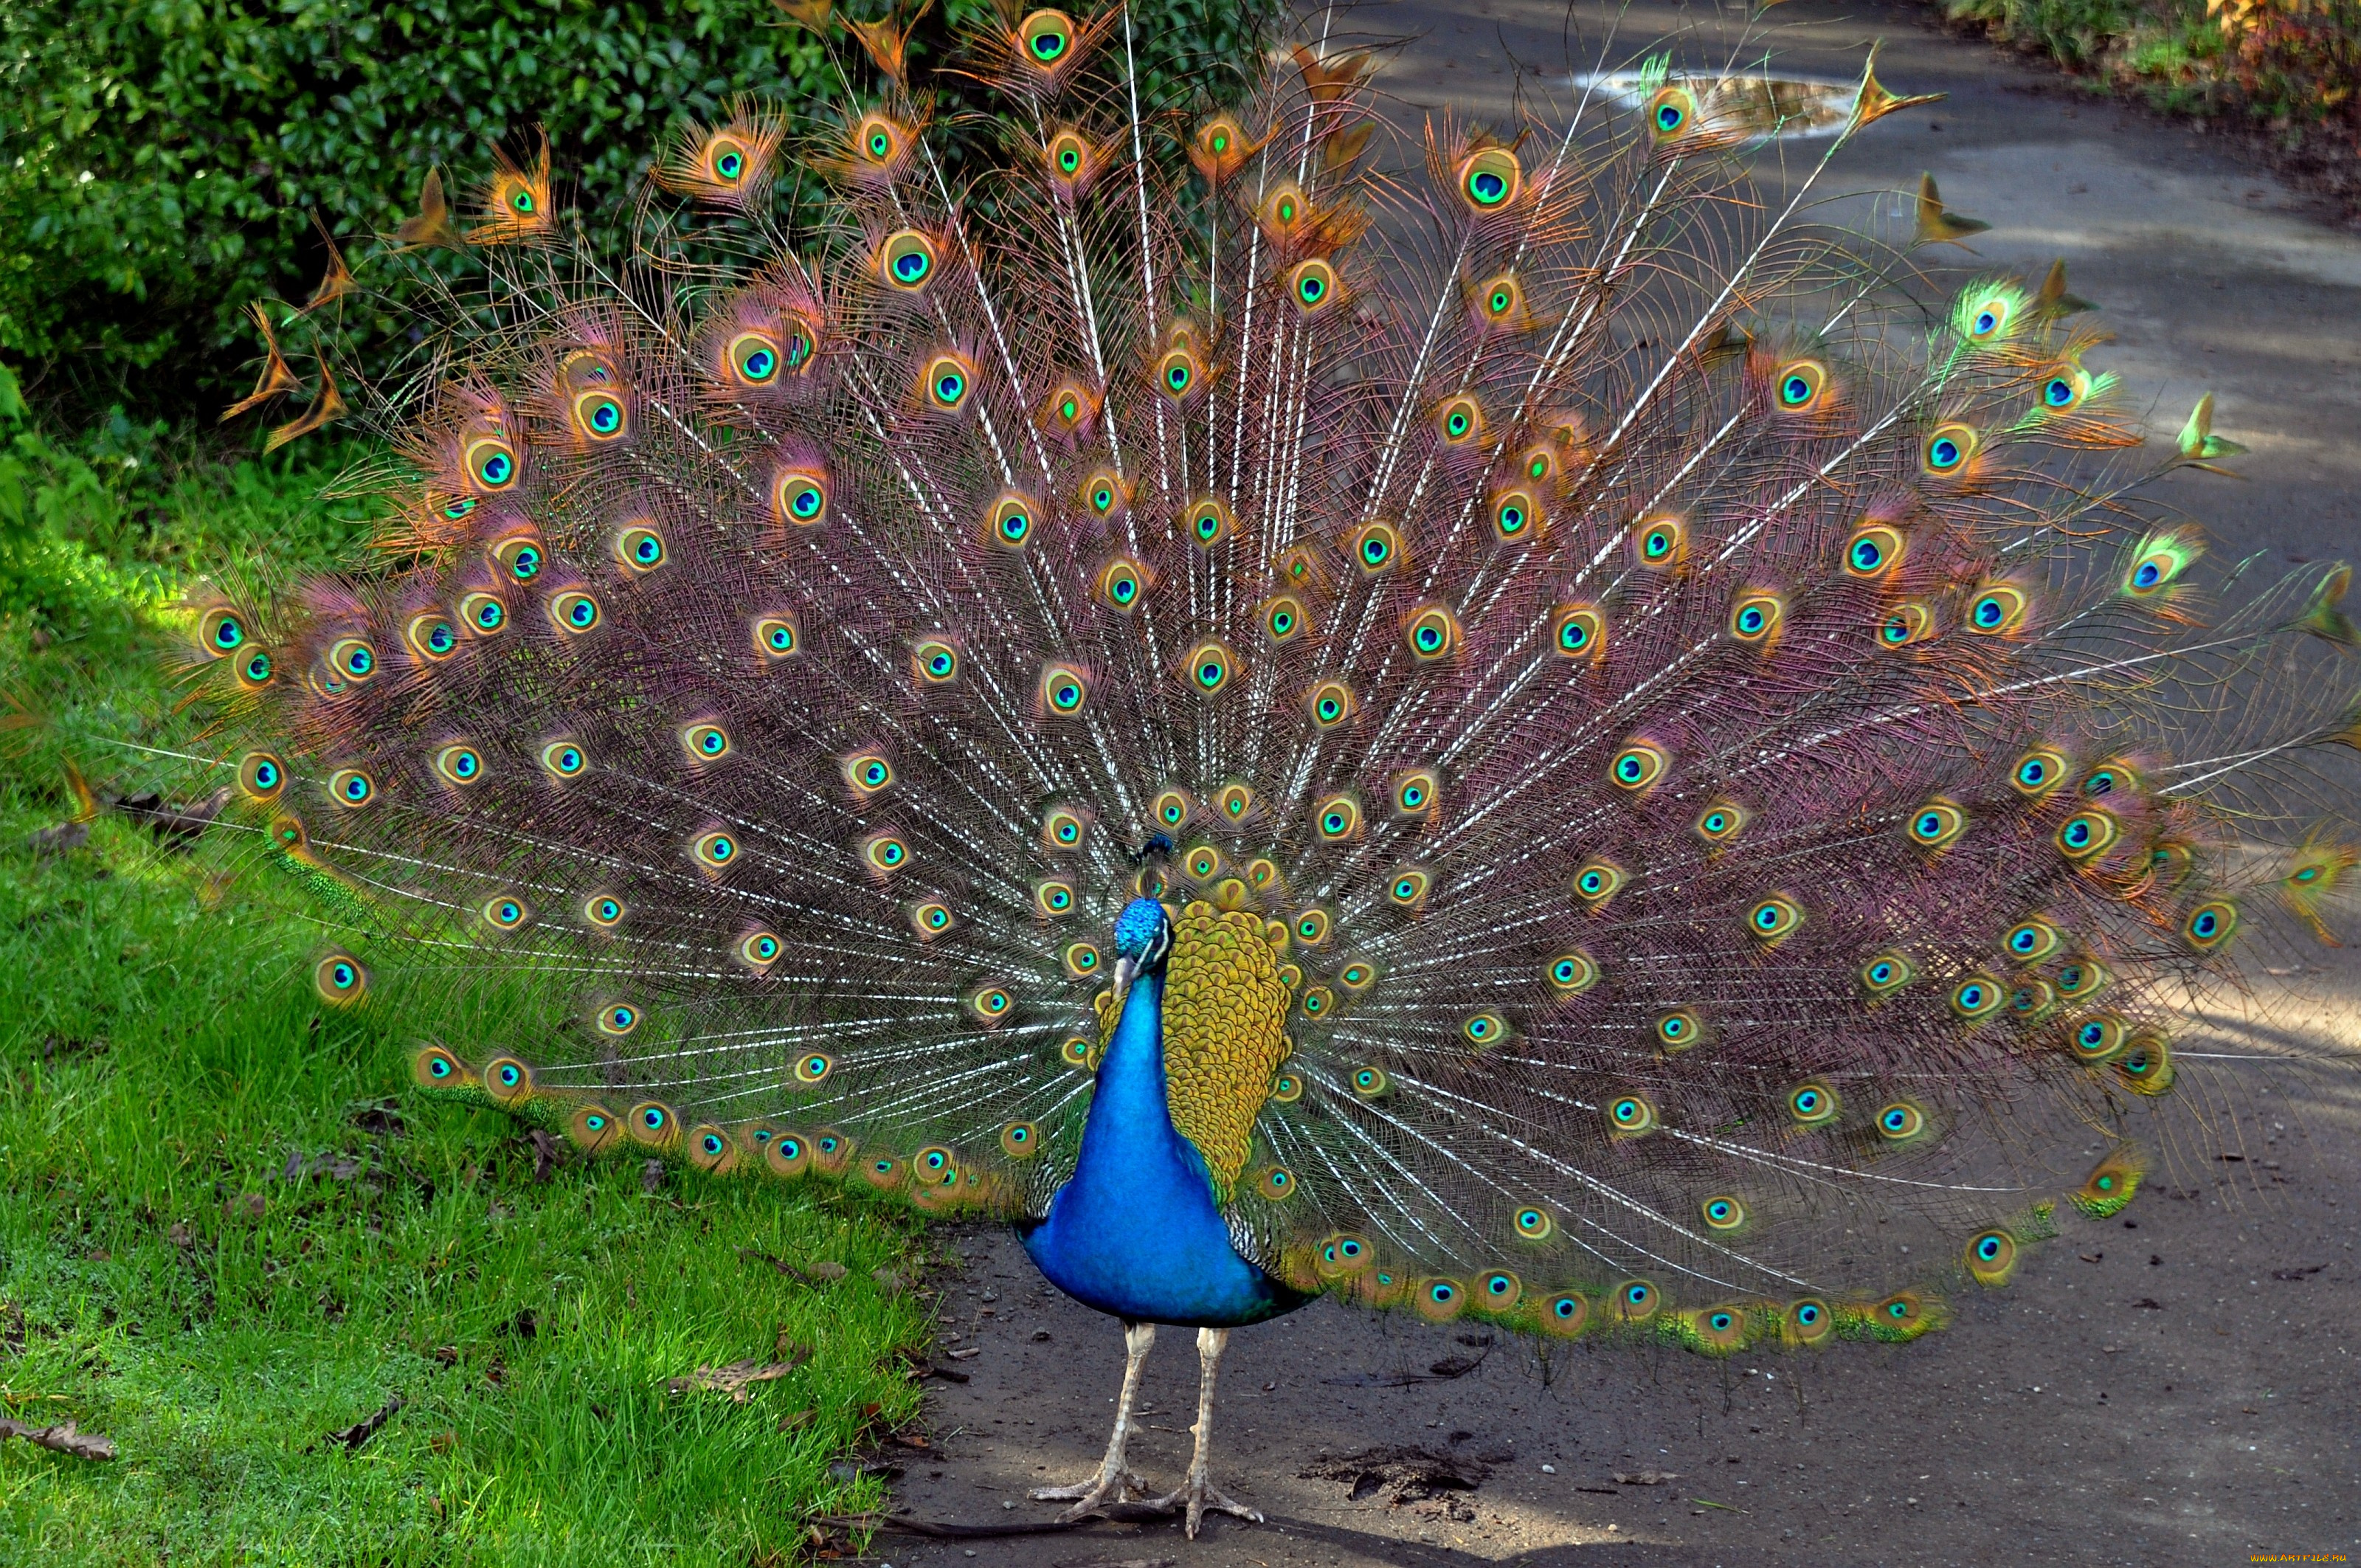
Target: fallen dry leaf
59, 1439
735, 1379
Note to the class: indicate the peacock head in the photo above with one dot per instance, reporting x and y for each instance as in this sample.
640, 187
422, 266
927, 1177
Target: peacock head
1143, 935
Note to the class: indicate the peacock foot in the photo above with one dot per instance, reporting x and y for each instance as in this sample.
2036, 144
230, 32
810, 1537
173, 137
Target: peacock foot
1110, 1485
1198, 1495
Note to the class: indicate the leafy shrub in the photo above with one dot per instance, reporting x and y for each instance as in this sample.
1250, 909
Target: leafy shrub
160, 159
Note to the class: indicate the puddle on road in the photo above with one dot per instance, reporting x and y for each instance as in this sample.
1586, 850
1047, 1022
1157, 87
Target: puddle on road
1787, 108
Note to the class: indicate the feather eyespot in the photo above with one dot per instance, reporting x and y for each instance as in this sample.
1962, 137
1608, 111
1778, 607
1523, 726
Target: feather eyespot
1773, 920
1104, 493
1900, 1121
483, 614
1875, 550
563, 760
1723, 1213
1433, 633
907, 261
340, 979
714, 850
1678, 1030
1948, 449
1906, 624
1638, 766
1887, 973
351, 659
1063, 691
490, 464
261, 776
1812, 1103
1631, 1115
1516, 516
1407, 888
1578, 631
2210, 925
431, 636
945, 381
1210, 520
2038, 771
1376, 547
755, 358
599, 416
1061, 829
1798, 385
1313, 286
221, 631
1672, 114
1571, 974
868, 774
1756, 616
1415, 792
459, 765
705, 742
603, 911
639, 549
573, 612
1595, 882
352, 787
934, 661
778, 637
1992, 1257
798, 497
931, 919
1977, 997
1720, 823
1490, 179
1460, 421
758, 950
1661, 541
1009, 523
1336, 819
1330, 702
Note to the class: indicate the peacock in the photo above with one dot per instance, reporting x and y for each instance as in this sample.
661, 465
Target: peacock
1520, 732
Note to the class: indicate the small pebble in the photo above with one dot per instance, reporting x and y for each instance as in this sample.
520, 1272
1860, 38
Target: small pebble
1549, 1469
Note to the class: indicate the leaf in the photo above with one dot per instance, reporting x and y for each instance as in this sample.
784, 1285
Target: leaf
63, 1438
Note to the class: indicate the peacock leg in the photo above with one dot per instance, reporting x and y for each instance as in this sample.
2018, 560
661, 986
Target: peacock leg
1116, 1482
1197, 1494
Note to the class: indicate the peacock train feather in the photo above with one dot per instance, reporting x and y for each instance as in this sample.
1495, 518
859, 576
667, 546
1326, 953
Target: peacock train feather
1552, 742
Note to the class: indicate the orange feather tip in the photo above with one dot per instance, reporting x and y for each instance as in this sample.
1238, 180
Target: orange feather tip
1329, 80
277, 379
1936, 224
327, 406
1874, 103
815, 15
336, 277
432, 225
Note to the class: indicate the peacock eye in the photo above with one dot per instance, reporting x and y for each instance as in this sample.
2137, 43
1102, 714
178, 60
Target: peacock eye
906, 260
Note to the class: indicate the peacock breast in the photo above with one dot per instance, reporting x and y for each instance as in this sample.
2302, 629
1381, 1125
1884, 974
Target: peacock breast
1225, 1007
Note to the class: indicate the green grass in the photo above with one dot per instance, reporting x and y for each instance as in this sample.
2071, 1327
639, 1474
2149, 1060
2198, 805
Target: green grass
229, 1227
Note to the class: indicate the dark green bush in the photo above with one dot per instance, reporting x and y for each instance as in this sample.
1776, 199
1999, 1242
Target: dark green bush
160, 159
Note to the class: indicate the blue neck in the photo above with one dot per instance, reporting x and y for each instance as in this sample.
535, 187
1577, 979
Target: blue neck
1135, 1232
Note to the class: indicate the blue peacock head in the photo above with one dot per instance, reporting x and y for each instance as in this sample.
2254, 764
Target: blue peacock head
1143, 935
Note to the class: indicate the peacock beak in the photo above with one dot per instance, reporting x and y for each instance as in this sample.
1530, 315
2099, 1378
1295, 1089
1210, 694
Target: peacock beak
1126, 968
